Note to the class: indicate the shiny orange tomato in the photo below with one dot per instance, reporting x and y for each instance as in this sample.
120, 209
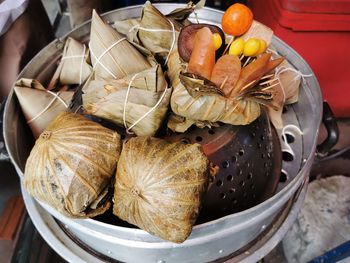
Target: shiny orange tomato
237, 20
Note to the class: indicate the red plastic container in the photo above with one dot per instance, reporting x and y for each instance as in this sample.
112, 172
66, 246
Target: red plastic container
319, 31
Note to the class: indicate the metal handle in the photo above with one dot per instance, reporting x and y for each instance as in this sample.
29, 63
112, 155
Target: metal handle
331, 125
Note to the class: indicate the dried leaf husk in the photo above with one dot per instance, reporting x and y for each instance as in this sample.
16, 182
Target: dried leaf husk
106, 98
208, 108
74, 67
72, 164
198, 86
158, 42
159, 186
35, 100
287, 92
117, 61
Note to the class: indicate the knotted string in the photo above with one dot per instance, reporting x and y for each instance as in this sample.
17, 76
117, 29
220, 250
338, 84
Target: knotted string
83, 56
138, 27
143, 116
56, 96
98, 59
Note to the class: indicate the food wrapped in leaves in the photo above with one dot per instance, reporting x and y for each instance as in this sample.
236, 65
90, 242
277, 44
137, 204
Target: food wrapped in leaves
210, 107
138, 102
73, 67
40, 106
159, 186
112, 56
72, 164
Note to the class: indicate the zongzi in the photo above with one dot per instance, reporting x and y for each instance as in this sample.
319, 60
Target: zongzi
71, 166
159, 186
40, 106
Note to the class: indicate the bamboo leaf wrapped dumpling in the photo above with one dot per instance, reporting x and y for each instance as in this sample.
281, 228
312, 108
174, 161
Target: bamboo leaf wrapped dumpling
71, 166
159, 186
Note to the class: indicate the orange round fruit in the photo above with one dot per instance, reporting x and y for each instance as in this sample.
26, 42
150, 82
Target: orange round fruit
237, 20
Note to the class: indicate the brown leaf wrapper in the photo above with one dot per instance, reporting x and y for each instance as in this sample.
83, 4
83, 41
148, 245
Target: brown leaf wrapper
71, 166
159, 186
33, 99
158, 42
208, 108
106, 99
117, 60
74, 67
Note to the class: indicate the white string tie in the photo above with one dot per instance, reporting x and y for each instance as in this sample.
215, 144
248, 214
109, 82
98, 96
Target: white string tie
98, 59
288, 129
143, 116
138, 27
56, 96
298, 73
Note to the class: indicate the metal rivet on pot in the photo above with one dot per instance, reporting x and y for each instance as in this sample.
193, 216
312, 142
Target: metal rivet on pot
221, 251
109, 252
161, 261
263, 227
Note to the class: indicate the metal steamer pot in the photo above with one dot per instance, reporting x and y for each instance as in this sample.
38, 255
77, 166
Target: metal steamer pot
244, 236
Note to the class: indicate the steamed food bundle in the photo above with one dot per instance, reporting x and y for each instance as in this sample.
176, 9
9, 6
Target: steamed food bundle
74, 67
127, 87
71, 166
159, 186
40, 106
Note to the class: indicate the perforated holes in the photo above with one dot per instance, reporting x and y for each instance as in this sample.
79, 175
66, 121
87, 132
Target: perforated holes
241, 152
287, 156
283, 177
262, 137
234, 159
263, 156
289, 137
241, 183
225, 164
234, 201
252, 186
186, 140
259, 145
199, 139
219, 183
229, 177
211, 131
239, 171
222, 196
253, 134
250, 176
232, 190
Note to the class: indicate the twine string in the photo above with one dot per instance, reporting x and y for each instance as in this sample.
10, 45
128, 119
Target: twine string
144, 115
138, 27
56, 96
98, 59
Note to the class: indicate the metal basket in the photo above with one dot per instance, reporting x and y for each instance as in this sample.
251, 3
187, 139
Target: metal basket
234, 236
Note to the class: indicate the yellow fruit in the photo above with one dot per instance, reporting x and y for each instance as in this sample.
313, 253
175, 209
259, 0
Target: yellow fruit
263, 46
217, 40
251, 47
236, 47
